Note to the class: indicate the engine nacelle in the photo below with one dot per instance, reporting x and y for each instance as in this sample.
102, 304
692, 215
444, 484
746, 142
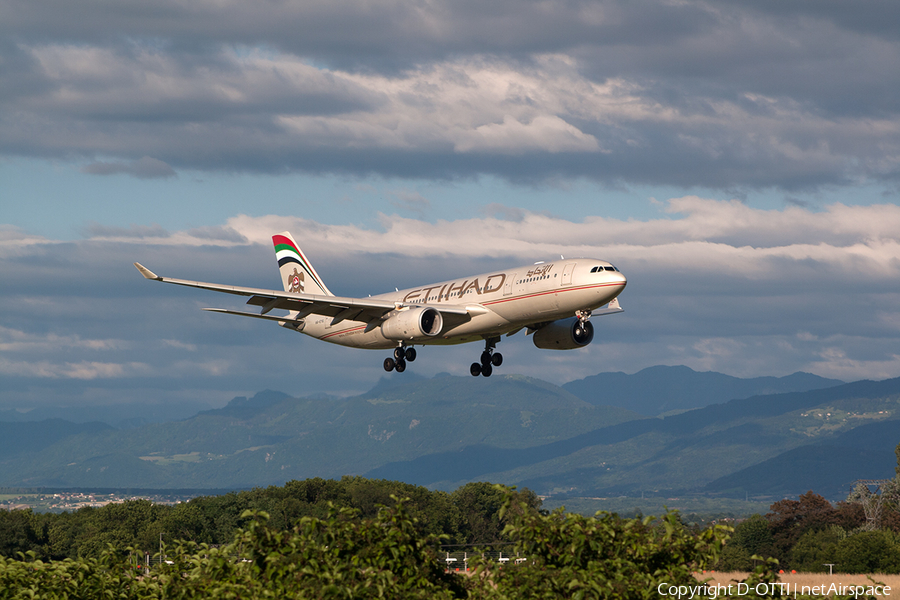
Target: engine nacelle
413, 324
564, 334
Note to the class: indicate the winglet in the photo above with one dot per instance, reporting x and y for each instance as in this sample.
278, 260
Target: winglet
147, 273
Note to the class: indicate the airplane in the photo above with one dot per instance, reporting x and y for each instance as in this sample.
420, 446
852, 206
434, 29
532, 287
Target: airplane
552, 300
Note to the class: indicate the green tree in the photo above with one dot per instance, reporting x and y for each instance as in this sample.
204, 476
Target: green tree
869, 552
120, 525
734, 558
480, 507
342, 556
754, 536
897, 453
20, 531
816, 548
605, 556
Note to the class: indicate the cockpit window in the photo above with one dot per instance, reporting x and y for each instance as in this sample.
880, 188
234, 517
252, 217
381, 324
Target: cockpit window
595, 269
610, 268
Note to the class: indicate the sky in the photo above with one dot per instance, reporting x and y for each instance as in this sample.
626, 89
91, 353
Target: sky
739, 162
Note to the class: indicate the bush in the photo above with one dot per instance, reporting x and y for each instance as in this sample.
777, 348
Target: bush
605, 556
869, 552
340, 556
816, 548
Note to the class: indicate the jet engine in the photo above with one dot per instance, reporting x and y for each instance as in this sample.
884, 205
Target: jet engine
564, 334
413, 324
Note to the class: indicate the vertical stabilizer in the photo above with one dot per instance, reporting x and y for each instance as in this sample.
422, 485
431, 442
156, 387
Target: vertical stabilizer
297, 273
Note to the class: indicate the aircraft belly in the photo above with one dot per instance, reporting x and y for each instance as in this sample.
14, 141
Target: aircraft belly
347, 333
486, 324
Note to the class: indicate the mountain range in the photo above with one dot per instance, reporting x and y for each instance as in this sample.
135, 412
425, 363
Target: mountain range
445, 431
658, 390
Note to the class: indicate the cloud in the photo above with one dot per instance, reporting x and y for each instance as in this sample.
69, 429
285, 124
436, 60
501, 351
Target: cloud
706, 236
548, 133
410, 200
83, 370
98, 231
15, 341
225, 234
143, 168
724, 96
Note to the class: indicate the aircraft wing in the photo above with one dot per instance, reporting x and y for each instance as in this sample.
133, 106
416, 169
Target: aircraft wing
356, 309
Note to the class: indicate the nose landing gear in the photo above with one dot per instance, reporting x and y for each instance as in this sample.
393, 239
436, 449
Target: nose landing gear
489, 359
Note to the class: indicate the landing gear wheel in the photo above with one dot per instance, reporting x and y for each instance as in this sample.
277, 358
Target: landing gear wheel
389, 364
583, 332
497, 359
485, 358
399, 353
410, 354
487, 369
400, 366
475, 369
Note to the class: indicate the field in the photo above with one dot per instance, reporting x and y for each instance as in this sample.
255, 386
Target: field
798, 581
656, 505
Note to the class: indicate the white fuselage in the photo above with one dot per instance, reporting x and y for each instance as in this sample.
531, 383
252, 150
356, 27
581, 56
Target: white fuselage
501, 302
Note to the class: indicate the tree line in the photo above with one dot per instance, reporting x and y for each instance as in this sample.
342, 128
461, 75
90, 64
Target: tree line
345, 555
361, 538
803, 534
468, 515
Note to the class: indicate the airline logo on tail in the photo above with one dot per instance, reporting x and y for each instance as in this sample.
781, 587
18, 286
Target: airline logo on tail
287, 252
295, 282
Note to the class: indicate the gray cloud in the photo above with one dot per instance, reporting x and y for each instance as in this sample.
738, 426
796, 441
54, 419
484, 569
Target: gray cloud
726, 95
410, 201
96, 230
142, 168
222, 234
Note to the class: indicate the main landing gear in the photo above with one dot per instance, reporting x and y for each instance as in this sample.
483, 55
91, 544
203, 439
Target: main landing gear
489, 360
398, 362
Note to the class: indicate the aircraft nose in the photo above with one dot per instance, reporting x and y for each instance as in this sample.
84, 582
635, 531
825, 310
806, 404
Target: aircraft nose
621, 278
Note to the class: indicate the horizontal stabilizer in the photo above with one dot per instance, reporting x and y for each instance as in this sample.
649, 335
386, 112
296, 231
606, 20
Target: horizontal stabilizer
290, 321
611, 308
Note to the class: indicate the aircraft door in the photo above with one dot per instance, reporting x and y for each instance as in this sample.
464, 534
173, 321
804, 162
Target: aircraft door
507, 287
567, 274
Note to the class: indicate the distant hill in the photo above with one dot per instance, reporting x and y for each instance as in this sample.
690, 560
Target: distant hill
828, 467
120, 416
17, 439
273, 437
679, 453
445, 431
661, 389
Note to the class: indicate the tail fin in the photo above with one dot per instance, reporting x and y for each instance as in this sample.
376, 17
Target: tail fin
297, 273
